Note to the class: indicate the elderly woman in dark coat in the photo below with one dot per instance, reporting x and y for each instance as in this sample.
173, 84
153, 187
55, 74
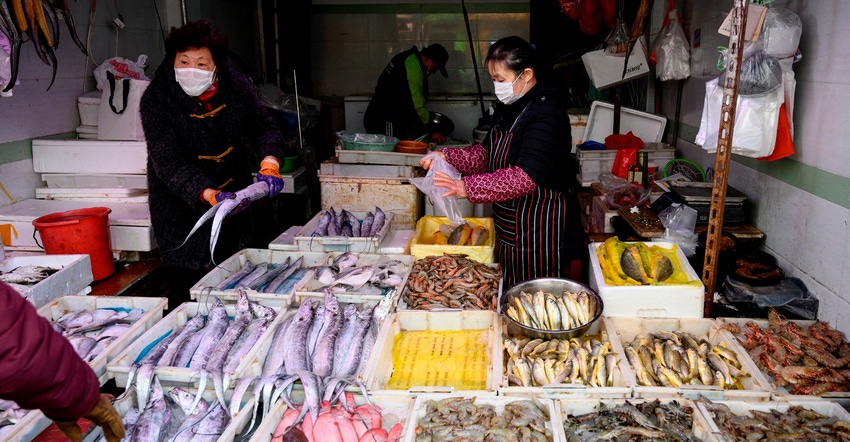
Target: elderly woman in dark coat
195, 114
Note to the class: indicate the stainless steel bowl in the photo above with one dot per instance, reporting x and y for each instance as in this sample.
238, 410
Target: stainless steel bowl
441, 123
556, 287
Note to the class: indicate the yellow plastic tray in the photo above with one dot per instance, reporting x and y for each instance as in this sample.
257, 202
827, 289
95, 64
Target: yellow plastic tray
423, 245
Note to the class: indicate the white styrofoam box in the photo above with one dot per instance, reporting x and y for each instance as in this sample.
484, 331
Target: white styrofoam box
76, 180
600, 123
392, 195
498, 403
128, 401
756, 387
701, 428
371, 157
594, 162
204, 289
740, 408
381, 368
397, 242
622, 388
663, 301
129, 223
86, 132
89, 107
89, 156
335, 168
369, 244
394, 409
119, 368
312, 288
91, 194
153, 308
74, 276
286, 240
27, 428
781, 393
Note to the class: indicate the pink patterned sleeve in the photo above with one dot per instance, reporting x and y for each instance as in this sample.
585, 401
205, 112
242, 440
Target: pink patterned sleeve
469, 160
500, 185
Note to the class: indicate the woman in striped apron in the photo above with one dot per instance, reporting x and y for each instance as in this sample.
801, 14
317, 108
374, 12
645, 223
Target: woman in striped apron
523, 167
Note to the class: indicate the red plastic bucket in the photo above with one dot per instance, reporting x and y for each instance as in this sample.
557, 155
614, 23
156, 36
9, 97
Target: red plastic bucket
81, 231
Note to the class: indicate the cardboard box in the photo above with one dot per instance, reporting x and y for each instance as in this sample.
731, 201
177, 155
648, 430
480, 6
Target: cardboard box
664, 301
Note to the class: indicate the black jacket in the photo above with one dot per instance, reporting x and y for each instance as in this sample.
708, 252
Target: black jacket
189, 151
392, 101
546, 144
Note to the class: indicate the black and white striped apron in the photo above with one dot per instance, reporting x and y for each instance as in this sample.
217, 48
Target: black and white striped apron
529, 229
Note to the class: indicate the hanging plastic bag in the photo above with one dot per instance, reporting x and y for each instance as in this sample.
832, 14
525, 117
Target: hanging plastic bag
781, 34
442, 204
679, 222
5, 65
671, 50
121, 68
617, 42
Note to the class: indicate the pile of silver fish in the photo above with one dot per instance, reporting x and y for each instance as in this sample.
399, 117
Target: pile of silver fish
534, 363
345, 224
452, 281
22, 278
545, 311
348, 273
278, 278
343, 422
646, 421
674, 359
91, 331
322, 345
459, 419
213, 346
174, 418
797, 423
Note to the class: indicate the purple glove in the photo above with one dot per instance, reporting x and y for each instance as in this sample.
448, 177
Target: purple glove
221, 196
269, 174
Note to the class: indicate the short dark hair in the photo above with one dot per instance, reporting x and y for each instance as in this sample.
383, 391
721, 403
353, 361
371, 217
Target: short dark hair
196, 35
516, 54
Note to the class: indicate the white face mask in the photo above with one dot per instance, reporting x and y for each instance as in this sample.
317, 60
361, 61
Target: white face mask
194, 81
505, 91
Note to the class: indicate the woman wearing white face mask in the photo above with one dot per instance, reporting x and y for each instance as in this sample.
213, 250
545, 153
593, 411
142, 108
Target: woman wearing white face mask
523, 167
195, 114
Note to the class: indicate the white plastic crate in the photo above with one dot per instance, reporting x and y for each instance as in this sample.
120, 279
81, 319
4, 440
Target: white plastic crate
498, 403
756, 387
594, 162
379, 374
101, 180
153, 308
622, 388
305, 241
661, 301
371, 157
701, 427
75, 274
392, 195
119, 368
337, 168
782, 393
740, 408
205, 287
89, 156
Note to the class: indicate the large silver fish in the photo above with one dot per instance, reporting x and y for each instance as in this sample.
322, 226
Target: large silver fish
322, 358
354, 278
295, 355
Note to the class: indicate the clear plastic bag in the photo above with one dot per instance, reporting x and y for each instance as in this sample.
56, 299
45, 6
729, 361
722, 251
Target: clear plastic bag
626, 195
672, 50
781, 32
679, 222
121, 68
448, 204
617, 42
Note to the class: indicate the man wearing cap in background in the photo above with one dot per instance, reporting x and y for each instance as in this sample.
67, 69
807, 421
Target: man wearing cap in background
398, 105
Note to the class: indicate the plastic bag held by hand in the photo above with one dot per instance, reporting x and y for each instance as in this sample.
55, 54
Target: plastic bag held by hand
679, 222
442, 205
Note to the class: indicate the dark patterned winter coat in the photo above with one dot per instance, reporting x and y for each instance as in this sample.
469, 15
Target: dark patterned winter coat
190, 150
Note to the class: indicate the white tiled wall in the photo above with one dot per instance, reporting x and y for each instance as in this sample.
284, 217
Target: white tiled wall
809, 235
351, 50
